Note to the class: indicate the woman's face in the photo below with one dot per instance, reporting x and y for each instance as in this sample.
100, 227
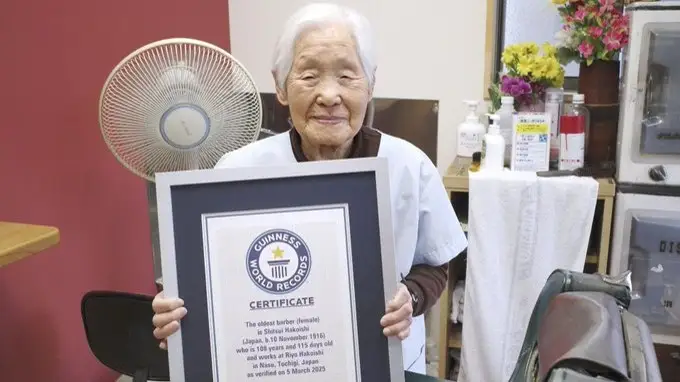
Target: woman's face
327, 91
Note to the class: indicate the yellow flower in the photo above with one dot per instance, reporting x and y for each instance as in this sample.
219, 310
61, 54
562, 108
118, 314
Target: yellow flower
507, 58
525, 66
510, 55
559, 2
530, 48
552, 72
537, 63
549, 49
538, 68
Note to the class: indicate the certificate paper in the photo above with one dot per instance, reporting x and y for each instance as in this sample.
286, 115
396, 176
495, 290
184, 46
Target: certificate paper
281, 282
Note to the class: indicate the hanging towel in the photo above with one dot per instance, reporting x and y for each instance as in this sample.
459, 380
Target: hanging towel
457, 301
520, 228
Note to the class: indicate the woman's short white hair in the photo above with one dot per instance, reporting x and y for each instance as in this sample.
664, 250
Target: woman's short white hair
316, 15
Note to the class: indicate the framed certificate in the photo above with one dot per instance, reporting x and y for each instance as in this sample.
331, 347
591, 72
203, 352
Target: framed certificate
285, 272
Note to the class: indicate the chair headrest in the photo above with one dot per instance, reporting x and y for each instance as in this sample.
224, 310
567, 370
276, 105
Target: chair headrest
119, 331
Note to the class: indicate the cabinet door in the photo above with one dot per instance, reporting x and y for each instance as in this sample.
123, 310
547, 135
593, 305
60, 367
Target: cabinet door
659, 133
647, 242
649, 122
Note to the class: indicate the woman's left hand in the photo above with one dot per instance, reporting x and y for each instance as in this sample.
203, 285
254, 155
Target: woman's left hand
398, 317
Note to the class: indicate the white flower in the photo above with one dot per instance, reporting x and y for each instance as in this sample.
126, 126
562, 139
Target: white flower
565, 39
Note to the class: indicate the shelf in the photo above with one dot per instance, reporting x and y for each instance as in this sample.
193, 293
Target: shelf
455, 336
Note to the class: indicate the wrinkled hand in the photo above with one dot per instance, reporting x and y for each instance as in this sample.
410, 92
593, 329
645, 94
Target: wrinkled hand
399, 314
168, 312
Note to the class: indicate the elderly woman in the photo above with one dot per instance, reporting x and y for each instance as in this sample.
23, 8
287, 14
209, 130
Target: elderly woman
324, 69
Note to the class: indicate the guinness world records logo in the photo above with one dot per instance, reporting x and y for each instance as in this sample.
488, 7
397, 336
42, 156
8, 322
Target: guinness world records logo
278, 261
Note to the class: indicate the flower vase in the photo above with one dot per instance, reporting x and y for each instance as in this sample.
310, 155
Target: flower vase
599, 82
535, 107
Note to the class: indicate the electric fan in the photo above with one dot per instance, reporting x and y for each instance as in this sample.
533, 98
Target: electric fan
177, 104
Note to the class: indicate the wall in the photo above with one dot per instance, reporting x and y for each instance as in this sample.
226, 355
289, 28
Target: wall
431, 49
55, 169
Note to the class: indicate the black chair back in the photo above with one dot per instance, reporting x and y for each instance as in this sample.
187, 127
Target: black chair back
119, 332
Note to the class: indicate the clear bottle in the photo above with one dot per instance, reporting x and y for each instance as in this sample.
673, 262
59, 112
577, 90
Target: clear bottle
553, 106
574, 128
506, 112
476, 161
578, 107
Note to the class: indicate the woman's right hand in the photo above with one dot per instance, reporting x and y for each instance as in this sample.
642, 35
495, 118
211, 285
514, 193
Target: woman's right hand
168, 312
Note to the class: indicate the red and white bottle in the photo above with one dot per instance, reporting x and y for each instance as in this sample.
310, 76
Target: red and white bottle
573, 128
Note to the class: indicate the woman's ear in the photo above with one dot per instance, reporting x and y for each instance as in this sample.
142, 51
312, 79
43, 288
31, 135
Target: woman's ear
281, 96
370, 89
280, 93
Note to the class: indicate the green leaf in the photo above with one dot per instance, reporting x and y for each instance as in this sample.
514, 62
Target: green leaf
495, 97
589, 61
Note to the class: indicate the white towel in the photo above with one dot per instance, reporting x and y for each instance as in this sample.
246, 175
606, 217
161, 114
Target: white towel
457, 301
521, 227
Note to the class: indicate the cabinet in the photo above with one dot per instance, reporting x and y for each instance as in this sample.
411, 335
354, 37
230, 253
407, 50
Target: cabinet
456, 184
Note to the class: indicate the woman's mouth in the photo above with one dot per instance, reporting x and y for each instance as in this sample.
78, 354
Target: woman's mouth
328, 120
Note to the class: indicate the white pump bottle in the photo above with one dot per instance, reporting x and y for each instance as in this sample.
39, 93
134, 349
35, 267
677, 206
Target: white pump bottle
494, 146
470, 133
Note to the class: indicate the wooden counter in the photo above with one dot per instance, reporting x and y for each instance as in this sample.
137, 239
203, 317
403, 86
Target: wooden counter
456, 179
18, 240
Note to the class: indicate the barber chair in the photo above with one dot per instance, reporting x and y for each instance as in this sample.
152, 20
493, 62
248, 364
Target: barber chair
581, 331
119, 332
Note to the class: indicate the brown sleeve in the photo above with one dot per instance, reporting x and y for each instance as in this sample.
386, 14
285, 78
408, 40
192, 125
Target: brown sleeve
427, 283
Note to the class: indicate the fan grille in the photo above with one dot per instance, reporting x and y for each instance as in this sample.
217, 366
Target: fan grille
178, 104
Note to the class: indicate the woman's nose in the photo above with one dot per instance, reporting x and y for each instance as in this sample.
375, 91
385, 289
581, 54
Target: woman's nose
328, 93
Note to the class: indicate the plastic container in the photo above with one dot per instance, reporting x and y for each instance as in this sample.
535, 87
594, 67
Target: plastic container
506, 111
573, 130
553, 106
470, 132
476, 162
493, 152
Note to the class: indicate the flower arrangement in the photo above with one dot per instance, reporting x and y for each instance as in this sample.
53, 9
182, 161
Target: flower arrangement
592, 30
529, 71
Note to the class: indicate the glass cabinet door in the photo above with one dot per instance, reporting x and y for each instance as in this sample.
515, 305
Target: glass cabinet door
660, 71
654, 259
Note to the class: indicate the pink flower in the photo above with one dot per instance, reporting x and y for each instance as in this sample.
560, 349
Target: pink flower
612, 41
595, 31
606, 6
580, 14
585, 49
620, 23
